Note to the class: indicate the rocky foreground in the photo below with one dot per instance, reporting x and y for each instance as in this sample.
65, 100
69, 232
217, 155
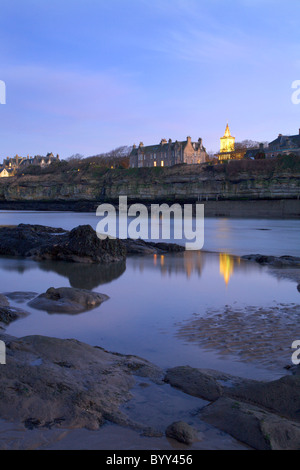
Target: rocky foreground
80, 245
54, 383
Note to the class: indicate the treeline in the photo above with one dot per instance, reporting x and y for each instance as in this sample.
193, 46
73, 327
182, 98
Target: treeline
290, 162
115, 159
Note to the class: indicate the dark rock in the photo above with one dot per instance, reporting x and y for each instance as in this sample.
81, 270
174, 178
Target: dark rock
277, 261
182, 432
252, 425
280, 396
54, 382
47, 243
67, 300
142, 247
3, 301
194, 382
10, 314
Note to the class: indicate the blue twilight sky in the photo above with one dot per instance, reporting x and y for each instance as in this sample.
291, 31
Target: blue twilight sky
87, 76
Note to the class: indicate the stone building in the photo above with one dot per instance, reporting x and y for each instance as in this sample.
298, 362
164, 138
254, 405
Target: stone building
168, 153
227, 148
282, 145
12, 164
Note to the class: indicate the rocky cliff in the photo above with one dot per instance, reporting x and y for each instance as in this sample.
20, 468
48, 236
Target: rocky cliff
236, 181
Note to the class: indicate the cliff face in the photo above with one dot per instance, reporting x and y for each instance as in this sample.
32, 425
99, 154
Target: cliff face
184, 183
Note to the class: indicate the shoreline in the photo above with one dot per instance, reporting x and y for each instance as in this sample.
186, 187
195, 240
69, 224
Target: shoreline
235, 208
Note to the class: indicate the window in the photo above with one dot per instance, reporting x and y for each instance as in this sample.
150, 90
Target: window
154, 163
162, 163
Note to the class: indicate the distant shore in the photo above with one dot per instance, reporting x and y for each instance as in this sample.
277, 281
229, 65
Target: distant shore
256, 208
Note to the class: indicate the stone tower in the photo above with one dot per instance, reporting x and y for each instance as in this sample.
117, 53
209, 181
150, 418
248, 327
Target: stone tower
227, 141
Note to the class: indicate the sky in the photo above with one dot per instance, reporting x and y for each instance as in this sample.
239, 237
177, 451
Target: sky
87, 76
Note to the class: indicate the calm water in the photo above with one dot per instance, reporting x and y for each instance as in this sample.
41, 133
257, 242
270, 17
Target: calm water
151, 295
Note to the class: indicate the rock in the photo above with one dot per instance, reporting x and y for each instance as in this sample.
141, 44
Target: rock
280, 396
207, 384
142, 247
252, 425
67, 300
139, 247
10, 314
50, 382
182, 432
195, 382
3, 301
274, 260
47, 243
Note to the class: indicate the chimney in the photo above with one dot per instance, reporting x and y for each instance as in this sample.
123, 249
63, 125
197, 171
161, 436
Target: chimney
200, 142
163, 142
299, 131
141, 145
189, 139
279, 135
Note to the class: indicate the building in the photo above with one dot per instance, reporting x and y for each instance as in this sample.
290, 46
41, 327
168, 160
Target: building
168, 153
282, 145
4, 173
12, 164
227, 148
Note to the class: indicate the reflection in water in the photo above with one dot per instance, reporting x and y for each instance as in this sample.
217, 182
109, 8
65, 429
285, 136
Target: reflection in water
87, 276
188, 262
192, 263
148, 302
81, 276
226, 266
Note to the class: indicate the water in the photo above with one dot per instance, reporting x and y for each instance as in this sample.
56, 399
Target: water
153, 296
234, 236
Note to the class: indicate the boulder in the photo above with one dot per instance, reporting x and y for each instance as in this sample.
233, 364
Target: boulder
67, 300
182, 432
254, 426
280, 396
207, 384
142, 247
3, 301
10, 314
80, 245
277, 261
64, 383
194, 382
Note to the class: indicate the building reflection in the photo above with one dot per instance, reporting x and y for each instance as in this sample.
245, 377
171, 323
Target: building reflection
227, 265
188, 262
192, 263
